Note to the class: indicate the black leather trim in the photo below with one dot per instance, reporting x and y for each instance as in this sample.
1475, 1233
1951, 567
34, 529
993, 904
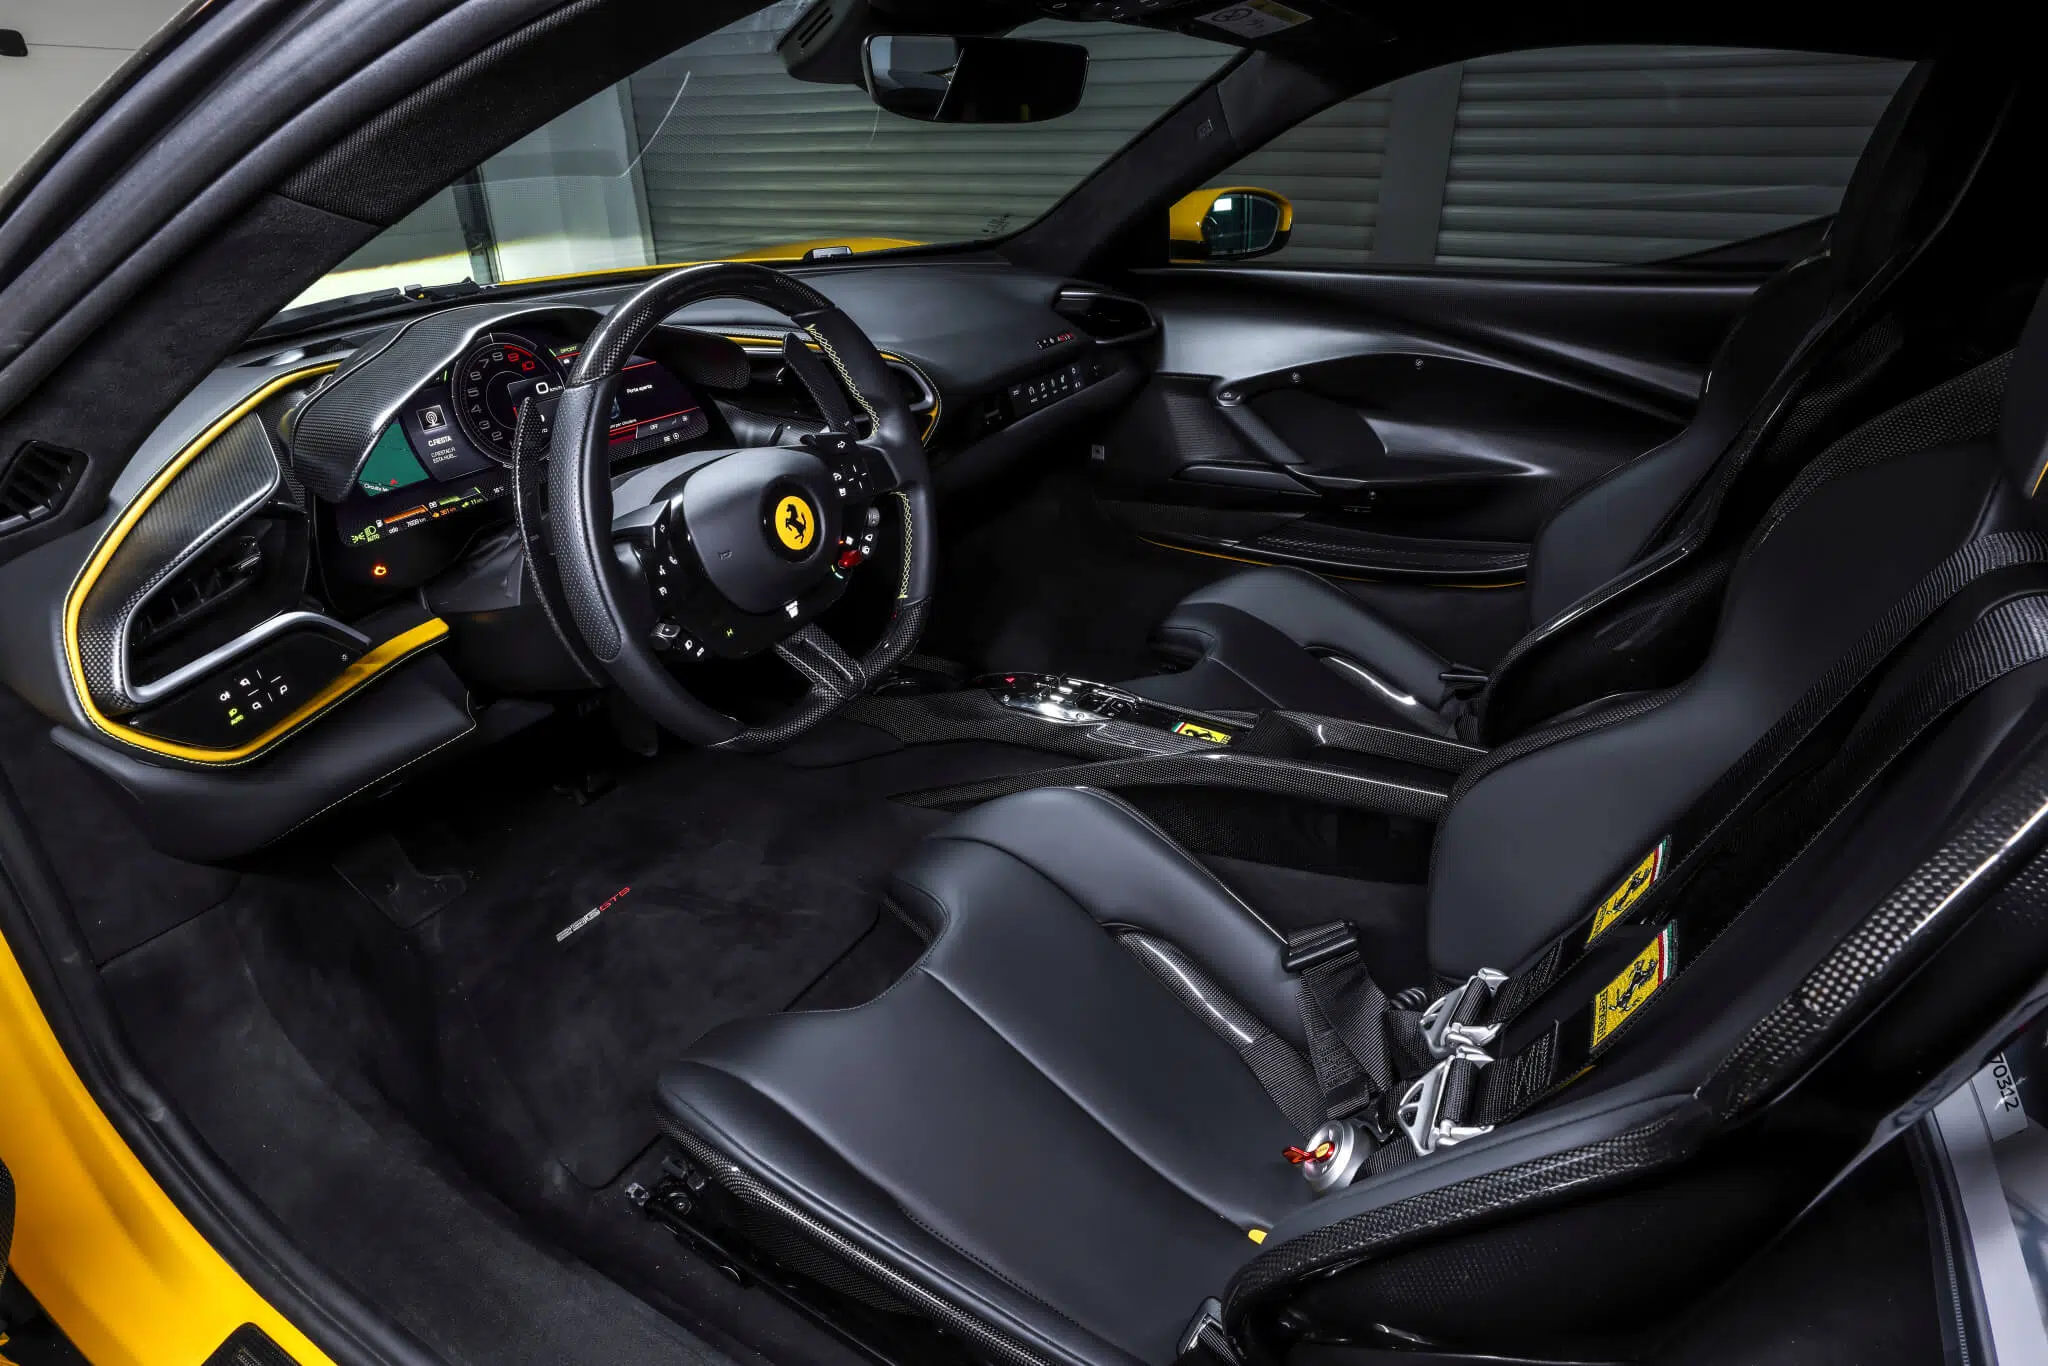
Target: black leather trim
1283, 638
1166, 1146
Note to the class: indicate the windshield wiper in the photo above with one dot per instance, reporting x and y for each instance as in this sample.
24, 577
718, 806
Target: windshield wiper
369, 302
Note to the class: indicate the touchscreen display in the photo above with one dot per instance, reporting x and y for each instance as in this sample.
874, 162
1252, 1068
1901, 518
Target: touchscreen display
654, 407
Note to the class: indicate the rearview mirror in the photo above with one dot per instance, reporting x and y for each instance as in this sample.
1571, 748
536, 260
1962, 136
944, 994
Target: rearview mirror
1231, 224
941, 79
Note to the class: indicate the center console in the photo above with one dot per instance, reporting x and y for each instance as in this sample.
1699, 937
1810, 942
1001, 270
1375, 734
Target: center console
1078, 702
1099, 735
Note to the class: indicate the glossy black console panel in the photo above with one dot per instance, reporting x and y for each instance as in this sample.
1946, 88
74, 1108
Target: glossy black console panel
1118, 740
1079, 702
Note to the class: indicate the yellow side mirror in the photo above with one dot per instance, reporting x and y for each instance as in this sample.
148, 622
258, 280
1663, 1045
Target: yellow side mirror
1233, 223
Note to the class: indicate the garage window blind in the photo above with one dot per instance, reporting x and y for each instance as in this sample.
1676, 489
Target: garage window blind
1329, 166
1574, 157
1621, 155
745, 156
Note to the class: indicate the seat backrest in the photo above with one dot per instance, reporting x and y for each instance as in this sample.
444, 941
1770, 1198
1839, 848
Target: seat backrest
1965, 249
1533, 841
1878, 955
1608, 525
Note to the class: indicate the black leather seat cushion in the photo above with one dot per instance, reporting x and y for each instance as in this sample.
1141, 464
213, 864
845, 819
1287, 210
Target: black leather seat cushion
1041, 1127
1280, 637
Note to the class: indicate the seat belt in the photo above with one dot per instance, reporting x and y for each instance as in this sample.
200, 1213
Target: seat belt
1469, 1093
1361, 1050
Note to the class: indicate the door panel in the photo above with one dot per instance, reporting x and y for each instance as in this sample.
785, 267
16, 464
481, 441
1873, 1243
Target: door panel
1400, 425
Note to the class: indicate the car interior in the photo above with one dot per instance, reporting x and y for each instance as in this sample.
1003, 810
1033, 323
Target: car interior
1128, 780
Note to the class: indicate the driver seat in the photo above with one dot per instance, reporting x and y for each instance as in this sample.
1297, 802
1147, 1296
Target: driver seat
1059, 1137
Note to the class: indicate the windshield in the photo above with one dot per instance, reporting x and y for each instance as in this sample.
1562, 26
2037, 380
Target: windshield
716, 152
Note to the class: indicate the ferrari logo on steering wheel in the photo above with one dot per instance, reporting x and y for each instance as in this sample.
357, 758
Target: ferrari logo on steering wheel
795, 523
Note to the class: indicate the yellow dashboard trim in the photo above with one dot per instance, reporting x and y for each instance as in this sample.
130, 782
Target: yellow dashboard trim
376, 661
380, 658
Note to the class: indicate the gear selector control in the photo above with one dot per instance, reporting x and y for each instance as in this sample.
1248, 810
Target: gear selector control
1078, 702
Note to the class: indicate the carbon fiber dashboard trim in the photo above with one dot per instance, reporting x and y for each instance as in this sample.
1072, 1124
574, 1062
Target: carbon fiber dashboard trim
1213, 768
240, 434
229, 479
338, 425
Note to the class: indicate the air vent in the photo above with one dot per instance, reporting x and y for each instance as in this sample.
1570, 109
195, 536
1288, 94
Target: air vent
225, 572
35, 484
1105, 317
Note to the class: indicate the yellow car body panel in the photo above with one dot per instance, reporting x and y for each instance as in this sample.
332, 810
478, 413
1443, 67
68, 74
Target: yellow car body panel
112, 1260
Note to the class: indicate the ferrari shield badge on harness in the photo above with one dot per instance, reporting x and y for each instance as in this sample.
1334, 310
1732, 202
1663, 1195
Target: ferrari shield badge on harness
1633, 888
1637, 983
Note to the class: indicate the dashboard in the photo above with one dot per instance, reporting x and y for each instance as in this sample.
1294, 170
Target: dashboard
309, 578
441, 468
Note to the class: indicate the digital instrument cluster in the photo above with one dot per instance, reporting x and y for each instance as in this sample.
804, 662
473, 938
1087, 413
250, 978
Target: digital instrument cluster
447, 454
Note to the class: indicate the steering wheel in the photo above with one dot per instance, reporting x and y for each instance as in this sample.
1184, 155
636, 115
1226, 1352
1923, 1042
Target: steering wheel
731, 553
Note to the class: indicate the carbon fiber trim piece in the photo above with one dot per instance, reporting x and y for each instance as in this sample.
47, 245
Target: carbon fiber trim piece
1966, 408
338, 425
1212, 768
1899, 934
1279, 1269
1377, 553
901, 637
937, 718
1282, 1071
742, 1185
625, 326
229, 480
1359, 737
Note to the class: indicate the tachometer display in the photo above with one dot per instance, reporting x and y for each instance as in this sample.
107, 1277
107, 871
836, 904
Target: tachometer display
489, 383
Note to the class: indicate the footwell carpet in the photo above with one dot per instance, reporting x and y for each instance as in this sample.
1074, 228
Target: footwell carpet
596, 943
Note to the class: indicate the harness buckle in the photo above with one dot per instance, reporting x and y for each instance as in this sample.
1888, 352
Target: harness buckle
1319, 945
1420, 1112
1443, 1033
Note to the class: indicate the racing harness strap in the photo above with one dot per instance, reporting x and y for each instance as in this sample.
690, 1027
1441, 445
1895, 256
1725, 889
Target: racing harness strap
1791, 785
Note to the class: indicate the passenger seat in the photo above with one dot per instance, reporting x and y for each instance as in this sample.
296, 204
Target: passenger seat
1062, 1138
1285, 638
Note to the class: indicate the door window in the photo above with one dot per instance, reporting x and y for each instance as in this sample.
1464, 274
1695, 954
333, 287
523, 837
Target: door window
1574, 157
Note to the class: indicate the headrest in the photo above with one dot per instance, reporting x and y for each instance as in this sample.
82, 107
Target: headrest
1917, 160
1871, 220
2023, 421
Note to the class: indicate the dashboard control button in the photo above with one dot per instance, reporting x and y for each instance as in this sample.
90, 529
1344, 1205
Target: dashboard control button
240, 702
